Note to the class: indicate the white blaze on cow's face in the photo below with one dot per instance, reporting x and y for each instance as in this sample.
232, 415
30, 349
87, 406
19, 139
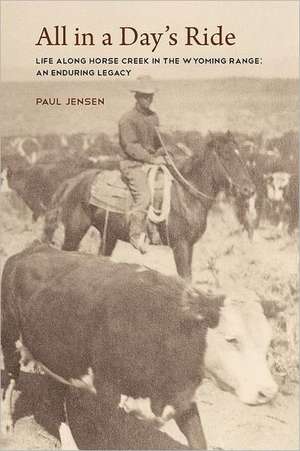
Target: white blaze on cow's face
3, 182
276, 183
236, 355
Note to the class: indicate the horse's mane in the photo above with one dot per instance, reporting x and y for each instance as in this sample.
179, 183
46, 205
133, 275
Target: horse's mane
214, 141
187, 164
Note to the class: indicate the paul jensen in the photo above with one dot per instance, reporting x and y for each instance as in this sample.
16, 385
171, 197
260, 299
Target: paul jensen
70, 101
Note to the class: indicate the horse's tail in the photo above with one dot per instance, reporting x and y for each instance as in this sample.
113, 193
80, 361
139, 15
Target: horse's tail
52, 219
54, 212
62, 202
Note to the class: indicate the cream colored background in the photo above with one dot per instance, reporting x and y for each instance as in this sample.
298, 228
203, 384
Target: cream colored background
267, 29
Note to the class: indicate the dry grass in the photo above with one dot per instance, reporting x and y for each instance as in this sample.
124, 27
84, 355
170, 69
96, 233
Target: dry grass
224, 259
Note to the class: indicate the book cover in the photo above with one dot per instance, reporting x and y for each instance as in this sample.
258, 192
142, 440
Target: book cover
162, 135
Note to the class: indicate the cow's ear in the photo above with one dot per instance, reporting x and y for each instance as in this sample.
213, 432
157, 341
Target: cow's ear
213, 310
203, 306
194, 295
217, 300
210, 318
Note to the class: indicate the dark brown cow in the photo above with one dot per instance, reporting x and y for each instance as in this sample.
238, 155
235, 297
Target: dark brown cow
291, 198
96, 323
270, 179
37, 184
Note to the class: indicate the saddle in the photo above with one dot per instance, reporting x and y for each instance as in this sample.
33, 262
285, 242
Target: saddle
108, 191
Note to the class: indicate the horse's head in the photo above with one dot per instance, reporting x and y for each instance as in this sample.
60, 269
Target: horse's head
229, 168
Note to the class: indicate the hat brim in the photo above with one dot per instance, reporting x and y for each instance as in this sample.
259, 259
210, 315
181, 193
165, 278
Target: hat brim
144, 91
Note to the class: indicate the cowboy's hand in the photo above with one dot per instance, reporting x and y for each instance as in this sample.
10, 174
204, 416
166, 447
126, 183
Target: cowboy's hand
151, 150
163, 150
160, 152
158, 160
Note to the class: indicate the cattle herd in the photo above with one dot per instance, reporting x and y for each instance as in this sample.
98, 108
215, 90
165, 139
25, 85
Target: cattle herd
122, 344
36, 166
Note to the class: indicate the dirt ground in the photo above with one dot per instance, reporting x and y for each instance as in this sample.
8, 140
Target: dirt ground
224, 260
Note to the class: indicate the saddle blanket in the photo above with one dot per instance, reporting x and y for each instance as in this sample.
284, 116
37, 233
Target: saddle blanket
108, 191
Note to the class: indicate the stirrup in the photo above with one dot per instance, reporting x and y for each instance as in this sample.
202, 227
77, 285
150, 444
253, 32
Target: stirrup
140, 243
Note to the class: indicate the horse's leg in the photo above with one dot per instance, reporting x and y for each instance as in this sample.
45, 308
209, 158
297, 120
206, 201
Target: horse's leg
76, 226
50, 224
107, 224
183, 254
107, 244
190, 425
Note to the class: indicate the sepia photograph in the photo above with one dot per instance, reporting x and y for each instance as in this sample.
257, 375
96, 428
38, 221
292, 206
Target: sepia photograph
149, 200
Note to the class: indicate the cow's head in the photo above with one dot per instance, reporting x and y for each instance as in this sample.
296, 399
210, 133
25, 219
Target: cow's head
15, 178
236, 355
276, 184
4, 181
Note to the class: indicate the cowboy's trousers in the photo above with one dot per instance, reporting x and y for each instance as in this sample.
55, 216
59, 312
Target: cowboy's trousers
136, 180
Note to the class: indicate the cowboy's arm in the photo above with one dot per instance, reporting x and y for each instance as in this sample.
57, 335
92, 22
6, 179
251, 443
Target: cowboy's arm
129, 143
156, 137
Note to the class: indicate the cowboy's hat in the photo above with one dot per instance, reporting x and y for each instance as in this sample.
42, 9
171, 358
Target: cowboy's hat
144, 85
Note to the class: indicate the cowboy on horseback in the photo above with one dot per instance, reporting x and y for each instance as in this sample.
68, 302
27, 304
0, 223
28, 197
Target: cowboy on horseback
140, 144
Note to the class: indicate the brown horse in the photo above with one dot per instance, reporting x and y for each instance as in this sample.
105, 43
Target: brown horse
192, 195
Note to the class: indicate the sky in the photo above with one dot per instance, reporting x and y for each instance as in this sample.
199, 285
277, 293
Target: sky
266, 30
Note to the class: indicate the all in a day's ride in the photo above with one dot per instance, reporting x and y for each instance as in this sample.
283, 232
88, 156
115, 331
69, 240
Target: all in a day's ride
193, 192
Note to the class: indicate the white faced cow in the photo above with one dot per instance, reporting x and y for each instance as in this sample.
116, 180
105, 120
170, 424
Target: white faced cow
276, 183
236, 354
235, 359
45, 292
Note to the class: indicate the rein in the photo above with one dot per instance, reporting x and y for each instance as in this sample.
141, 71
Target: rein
179, 177
227, 175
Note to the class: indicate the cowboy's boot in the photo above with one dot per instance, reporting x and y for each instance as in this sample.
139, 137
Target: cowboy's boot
137, 233
140, 242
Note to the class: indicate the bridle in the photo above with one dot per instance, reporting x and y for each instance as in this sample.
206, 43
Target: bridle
184, 182
226, 173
